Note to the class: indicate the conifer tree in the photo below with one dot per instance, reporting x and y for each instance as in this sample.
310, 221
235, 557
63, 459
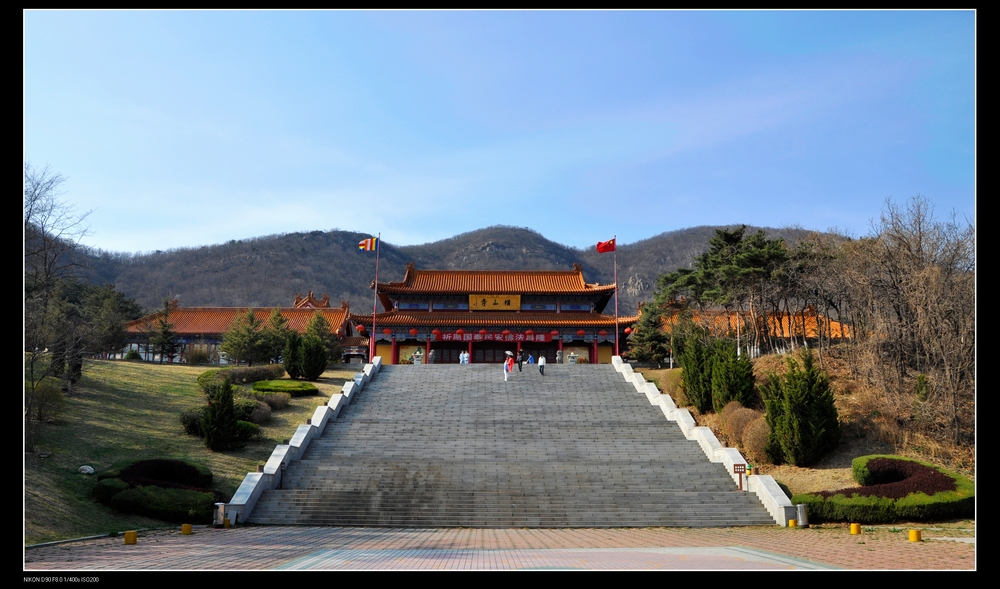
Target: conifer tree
314, 357
275, 335
244, 340
318, 326
697, 373
648, 342
221, 429
801, 413
292, 355
732, 377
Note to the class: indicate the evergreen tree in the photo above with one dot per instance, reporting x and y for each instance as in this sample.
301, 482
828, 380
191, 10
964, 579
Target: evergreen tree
220, 426
697, 373
648, 342
275, 335
292, 355
732, 377
314, 357
244, 340
318, 326
163, 337
801, 413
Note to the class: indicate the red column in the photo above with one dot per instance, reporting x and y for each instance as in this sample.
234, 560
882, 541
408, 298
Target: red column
395, 351
593, 358
427, 352
470, 352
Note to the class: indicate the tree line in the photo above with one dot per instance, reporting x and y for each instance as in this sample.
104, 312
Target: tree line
903, 296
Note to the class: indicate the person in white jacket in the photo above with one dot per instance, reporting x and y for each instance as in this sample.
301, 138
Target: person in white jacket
541, 364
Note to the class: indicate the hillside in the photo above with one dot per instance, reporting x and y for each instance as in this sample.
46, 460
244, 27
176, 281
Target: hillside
270, 270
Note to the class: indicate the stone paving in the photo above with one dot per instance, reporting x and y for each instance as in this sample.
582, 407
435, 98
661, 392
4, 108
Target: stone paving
453, 445
308, 548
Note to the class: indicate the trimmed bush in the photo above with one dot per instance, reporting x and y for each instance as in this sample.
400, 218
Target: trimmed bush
755, 436
193, 421
160, 470
294, 388
738, 421
172, 505
899, 489
211, 379
275, 401
105, 489
133, 355
199, 356
247, 432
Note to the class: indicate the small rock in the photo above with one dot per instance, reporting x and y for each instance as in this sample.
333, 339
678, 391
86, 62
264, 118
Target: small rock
85, 469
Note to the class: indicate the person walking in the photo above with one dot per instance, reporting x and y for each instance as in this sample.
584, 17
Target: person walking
520, 359
508, 366
541, 364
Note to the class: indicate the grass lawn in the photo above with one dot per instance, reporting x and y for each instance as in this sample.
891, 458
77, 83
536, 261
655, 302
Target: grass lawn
126, 411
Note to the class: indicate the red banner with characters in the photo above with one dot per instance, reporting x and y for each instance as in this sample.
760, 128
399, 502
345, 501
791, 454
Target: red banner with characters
494, 337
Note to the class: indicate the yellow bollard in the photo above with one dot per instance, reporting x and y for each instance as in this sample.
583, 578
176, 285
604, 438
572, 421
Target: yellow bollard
855, 529
792, 523
915, 536
131, 537
225, 523
186, 529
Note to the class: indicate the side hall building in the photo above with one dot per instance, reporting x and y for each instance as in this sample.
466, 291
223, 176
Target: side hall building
438, 314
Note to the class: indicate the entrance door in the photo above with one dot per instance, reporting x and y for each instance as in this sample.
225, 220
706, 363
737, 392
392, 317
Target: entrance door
491, 352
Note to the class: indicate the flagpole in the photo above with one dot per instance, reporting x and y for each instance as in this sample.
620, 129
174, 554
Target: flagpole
371, 336
617, 333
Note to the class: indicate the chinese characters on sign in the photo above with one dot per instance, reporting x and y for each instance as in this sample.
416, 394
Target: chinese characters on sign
486, 302
494, 337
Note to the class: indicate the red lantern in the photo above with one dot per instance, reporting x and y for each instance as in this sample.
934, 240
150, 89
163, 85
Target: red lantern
529, 332
628, 330
506, 332
460, 331
360, 328
413, 331
580, 332
602, 332
554, 332
482, 332
387, 331
436, 331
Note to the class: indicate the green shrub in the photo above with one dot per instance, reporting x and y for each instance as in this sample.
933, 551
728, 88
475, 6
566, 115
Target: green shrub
915, 506
199, 356
166, 471
172, 505
105, 489
755, 436
252, 410
133, 355
738, 422
193, 421
211, 379
293, 355
275, 401
247, 432
696, 368
732, 377
314, 357
801, 414
220, 420
292, 387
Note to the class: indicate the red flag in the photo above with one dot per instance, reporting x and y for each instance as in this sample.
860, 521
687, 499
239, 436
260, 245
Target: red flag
604, 247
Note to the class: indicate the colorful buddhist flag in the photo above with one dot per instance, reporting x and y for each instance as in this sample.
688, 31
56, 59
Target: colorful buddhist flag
604, 247
368, 245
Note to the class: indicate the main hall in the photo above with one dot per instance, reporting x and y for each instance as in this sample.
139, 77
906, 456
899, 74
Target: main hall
435, 315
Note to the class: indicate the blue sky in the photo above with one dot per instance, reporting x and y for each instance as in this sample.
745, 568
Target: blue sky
184, 128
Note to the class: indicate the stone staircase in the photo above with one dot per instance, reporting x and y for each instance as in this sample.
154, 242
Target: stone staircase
456, 446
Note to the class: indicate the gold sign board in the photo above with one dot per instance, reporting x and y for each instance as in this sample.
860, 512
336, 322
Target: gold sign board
487, 302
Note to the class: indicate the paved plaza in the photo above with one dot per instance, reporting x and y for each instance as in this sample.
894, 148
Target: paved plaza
827, 547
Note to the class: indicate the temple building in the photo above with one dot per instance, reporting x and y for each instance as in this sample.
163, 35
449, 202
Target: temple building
203, 327
439, 314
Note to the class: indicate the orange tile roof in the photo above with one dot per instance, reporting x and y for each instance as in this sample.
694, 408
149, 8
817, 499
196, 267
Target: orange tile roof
190, 321
569, 282
494, 320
